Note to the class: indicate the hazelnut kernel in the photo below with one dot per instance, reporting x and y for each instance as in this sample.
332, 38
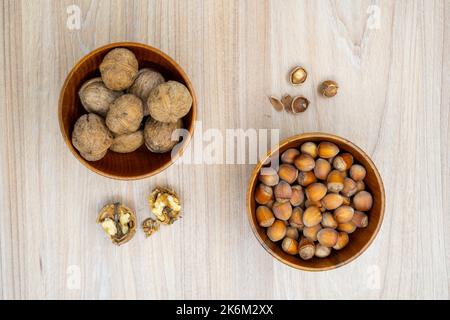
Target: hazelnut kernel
263, 194
288, 173
322, 251
327, 237
298, 195
327, 150
290, 246
312, 216
344, 214
360, 219
276, 231
296, 219
322, 169
269, 177
332, 201
289, 155
283, 191
335, 181
306, 248
343, 161
357, 172
363, 201
304, 162
306, 178
309, 148
311, 232
264, 216
348, 227
342, 241
282, 210
316, 191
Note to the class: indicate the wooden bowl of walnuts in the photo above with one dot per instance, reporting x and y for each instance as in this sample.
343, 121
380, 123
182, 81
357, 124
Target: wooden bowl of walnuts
122, 106
316, 202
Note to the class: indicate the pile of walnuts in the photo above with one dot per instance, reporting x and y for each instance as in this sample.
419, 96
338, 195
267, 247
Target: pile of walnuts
127, 108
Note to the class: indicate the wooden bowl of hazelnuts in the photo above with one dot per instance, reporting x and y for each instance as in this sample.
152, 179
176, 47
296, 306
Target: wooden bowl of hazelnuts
127, 111
316, 202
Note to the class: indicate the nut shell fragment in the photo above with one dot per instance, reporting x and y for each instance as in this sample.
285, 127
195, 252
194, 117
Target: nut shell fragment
165, 205
298, 76
118, 221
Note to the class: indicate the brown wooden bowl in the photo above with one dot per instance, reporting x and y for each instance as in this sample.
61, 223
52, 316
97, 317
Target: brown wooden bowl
141, 163
360, 240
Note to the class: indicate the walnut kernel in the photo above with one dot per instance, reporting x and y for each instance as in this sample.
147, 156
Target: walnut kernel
118, 221
165, 205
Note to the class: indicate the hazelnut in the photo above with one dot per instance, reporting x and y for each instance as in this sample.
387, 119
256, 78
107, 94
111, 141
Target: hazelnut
299, 104
348, 227
283, 191
318, 204
332, 201
91, 137
346, 201
327, 237
360, 185
282, 210
292, 233
344, 214
96, 97
288, 173
304, 162
335, 181
296, 219
298, 196
119, 69
146, 80
306, 248
289, 155
316, 191
360, 219
329, 88
169, 101
263, 194
165, 205
306, 178
357, 172
328, 221
270, 204
309, 148
264, 216
269, 176
343, 161
297, 76
312, 216
327, 150
276, 231
322, 169
342, 241
290, 246
161, 137
322, 251
118, 221
363, 201
125, 114
128, 142
311, 232
349, 187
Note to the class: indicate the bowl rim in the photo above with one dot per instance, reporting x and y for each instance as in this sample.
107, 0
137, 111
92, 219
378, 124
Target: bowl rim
253, 178
157, 51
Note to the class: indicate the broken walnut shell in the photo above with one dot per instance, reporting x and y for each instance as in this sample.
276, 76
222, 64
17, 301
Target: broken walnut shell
299, 104
118, 221
165, 205
298, 76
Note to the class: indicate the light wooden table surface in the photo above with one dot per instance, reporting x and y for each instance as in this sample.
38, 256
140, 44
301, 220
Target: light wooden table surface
391, 59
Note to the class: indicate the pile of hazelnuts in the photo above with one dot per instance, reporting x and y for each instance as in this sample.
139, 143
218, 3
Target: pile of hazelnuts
314, 200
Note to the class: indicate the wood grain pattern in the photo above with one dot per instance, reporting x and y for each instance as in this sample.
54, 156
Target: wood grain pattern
394, 103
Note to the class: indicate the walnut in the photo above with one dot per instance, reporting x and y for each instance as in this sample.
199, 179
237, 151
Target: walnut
165, 205
96, 97
119, 68
158, 135
118, 221
146, 80
125, 114
126, 143
150, 226
169, 101
91, 137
